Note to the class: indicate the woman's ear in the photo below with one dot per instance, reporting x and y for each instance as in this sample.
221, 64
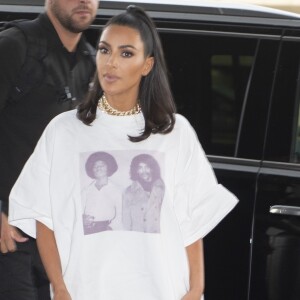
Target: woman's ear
148, 65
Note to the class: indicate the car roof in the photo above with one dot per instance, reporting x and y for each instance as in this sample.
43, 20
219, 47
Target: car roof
208, 7
215, 7
219, 7
189, 10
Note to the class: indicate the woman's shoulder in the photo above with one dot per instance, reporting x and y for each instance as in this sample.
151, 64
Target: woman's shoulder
67, 117
181, 122
62, 123
183, 130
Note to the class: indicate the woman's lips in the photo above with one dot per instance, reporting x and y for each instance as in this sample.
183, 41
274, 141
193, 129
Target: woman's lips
110, 78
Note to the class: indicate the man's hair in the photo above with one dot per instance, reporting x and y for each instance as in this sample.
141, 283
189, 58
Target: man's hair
107, 158
149, 161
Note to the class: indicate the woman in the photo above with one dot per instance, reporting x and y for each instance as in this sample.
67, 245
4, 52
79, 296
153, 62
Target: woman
134, 115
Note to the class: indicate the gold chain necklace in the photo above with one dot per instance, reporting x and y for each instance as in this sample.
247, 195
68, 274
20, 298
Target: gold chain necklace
105, 107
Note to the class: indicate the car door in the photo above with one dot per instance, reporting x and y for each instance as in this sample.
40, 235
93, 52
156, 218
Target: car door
222, 81
276, 247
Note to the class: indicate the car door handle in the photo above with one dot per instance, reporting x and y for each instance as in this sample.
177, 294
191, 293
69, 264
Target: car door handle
285, 210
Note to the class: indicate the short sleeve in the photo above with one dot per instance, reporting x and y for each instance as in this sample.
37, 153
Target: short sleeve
200, 202
29, 199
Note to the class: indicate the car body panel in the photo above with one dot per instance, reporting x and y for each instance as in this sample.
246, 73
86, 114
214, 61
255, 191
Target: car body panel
234, 70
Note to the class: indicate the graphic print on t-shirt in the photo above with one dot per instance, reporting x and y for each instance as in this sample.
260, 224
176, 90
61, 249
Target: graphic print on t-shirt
121, 190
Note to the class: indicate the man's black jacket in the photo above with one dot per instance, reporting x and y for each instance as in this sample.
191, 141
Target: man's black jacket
65, 81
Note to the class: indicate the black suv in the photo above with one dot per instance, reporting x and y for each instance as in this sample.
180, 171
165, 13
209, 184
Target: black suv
235, 74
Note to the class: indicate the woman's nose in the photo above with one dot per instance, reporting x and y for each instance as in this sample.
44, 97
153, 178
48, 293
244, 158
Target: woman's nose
112, 61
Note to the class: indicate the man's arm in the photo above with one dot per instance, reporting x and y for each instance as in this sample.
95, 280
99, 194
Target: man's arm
50, 257
12, 57
196, 264
9, 236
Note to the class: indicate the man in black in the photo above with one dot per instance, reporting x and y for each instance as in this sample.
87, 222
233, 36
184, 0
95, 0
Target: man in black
45, 70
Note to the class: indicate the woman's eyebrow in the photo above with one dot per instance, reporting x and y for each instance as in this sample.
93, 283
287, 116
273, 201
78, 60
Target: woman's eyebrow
126, 46
120, 47
103, 42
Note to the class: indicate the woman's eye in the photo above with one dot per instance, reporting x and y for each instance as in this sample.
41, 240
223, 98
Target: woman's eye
127, 54
103, 50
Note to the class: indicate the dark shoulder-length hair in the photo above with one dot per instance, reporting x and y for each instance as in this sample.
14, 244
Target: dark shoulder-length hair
155, 95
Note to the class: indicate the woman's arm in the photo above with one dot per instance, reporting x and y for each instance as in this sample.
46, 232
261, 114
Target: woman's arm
196, 264
49, 254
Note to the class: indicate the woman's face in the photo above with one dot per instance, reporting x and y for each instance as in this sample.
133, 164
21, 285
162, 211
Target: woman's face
121, 62
100, 169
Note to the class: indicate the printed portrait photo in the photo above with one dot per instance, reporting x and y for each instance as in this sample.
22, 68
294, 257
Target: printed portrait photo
121, 190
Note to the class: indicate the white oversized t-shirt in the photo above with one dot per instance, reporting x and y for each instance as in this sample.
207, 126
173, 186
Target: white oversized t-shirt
115, 262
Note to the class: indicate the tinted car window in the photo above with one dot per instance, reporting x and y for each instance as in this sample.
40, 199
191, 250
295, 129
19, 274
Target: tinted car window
209, 79
284, 139
229, 75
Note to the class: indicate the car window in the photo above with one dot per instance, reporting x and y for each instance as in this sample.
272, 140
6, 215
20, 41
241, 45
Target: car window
229, 75
209, 77
283, 141
296, 155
